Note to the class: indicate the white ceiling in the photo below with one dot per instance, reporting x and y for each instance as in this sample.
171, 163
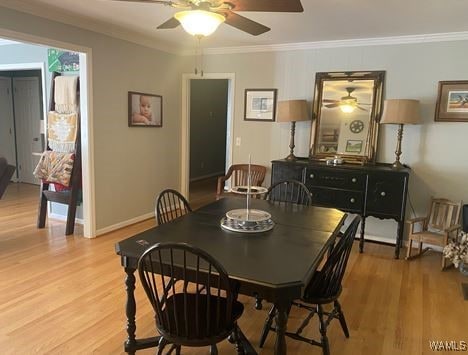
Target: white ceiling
320, 21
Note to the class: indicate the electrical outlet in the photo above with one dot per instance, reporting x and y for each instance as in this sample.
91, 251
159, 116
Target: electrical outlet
238, 141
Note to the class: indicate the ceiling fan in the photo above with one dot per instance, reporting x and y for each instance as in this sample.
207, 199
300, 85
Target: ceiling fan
347, 103
208, 14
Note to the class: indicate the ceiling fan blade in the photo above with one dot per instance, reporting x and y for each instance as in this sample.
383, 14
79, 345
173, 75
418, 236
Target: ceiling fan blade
331, 105
267, 5
330, 100
244, 24
361, 108
171, 23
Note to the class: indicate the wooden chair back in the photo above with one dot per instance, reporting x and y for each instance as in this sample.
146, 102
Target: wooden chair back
239, 174
443, 214
289, 191
183, 316
170, 205
327, 283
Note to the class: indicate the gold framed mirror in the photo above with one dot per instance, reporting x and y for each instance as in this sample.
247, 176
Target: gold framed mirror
346, 112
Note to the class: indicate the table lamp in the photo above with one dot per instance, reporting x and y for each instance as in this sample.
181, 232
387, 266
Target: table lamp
292, 111
401, 112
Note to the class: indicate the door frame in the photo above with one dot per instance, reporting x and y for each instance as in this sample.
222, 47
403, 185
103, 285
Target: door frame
86, 122
185, 153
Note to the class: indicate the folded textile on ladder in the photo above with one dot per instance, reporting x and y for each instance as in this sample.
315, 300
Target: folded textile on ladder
65, 93
62, 130
55, 167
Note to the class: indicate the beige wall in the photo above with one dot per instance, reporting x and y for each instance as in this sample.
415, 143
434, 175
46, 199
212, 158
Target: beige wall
435, 151
131, 164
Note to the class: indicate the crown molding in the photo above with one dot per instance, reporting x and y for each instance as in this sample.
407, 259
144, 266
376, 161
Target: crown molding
360, 42
111, 30
5, 42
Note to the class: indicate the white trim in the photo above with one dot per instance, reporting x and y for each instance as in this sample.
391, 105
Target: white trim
86, 107
185, 136
126, 223
393, 241
7, 42
63, 218
359, 42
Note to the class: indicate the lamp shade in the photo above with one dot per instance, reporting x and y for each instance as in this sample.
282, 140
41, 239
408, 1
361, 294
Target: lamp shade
401, 111
199, 22
292, 111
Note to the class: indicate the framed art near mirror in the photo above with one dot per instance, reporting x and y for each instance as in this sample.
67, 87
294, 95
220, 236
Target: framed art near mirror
346, 112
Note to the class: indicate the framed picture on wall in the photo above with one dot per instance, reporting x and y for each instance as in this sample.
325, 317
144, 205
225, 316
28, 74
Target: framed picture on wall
260, 104
144, 110
452, 101
354, 146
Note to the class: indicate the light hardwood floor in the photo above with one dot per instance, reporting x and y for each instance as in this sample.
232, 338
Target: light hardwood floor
65, 295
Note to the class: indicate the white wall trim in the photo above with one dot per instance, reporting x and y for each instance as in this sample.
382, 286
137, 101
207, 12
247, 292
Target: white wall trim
86, 109
389, 240
123, 224
185, 143
360, 42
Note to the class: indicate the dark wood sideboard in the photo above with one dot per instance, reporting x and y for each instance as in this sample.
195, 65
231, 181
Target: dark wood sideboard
369, 190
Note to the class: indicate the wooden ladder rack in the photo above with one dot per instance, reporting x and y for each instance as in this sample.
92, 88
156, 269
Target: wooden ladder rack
68, 197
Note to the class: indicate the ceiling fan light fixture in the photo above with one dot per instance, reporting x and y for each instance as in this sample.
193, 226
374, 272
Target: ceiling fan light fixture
348, 106
199, 22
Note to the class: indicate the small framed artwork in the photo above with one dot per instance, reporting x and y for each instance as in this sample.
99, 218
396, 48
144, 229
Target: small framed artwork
144, 110
260, 105
354, 146
452, 101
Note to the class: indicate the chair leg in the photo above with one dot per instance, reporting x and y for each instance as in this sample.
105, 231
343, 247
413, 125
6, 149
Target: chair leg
408, 252
178, 350
267, 326
162, 344
420, 247
323, 331
213, 350
342, 319
444, 262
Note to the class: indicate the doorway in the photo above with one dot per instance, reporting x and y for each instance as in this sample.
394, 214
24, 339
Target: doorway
86, 122
206, 132
21, 120
208, 118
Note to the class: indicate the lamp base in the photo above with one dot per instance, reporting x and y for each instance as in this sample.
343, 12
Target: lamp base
397, 165
290, 157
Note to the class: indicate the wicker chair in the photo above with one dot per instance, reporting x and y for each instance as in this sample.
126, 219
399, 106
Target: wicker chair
190, 318
324, 288
170, 205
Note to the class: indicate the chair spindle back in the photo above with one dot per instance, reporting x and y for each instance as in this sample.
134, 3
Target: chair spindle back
171, 205
289, 191
443, 214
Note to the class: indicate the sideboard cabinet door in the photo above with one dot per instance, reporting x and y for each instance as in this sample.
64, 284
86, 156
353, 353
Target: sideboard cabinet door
386, 195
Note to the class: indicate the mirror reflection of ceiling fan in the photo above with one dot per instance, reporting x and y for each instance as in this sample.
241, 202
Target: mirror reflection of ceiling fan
347, 103
201, 17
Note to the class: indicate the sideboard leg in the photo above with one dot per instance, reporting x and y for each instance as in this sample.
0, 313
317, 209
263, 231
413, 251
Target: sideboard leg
361, 240
399, 241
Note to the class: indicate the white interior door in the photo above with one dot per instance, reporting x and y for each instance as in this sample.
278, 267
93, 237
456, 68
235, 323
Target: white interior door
7, 126
28, 116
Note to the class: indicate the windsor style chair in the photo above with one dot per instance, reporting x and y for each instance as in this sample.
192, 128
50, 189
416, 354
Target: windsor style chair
170, 205
289, 191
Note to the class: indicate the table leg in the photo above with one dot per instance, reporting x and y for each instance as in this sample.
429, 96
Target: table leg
361, 240
399, 240
281, 320
130, 311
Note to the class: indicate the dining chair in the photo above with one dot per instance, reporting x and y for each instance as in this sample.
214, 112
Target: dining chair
184, 317
441, 221
324, 288
239, 173
6, 172
170, 205
289, 191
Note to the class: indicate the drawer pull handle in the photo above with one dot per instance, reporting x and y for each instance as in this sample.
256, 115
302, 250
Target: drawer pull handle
353, 179
311, 176
352, 200
382, 193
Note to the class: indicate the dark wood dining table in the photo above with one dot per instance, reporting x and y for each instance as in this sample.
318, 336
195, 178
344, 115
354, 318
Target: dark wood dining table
274, 265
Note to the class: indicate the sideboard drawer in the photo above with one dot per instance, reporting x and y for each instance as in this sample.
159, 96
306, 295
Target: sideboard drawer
348, 180
342, 199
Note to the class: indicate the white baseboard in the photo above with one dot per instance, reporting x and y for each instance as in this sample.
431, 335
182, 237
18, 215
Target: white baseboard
393, 241
219, 173
125, 223
63, 218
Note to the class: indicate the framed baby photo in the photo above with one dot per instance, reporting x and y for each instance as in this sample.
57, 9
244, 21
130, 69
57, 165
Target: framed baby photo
144, 110
260, 105
452, 101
